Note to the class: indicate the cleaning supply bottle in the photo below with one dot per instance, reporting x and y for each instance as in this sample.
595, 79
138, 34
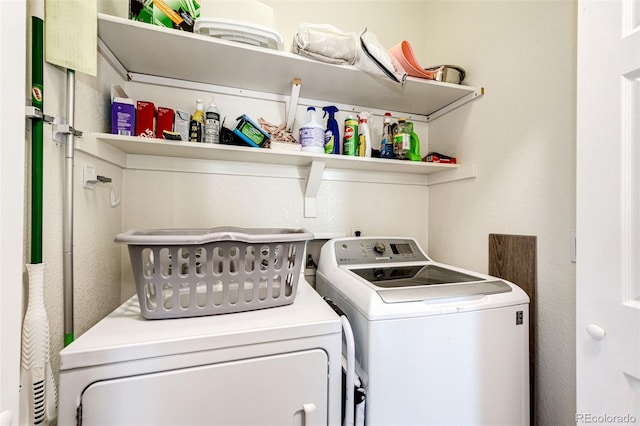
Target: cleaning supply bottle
414, 144
386, 140
312, 133
350, 139
212, 124
332, 133
401, 139
364, 135
197, 123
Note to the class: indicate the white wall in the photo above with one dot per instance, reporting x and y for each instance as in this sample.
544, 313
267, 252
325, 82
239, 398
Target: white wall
521, 135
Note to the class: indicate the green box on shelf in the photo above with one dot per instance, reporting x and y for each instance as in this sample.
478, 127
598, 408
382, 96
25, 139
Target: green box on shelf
178, 14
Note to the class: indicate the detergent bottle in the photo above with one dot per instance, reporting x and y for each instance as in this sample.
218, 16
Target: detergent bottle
402, 139
364, 135
332, 134
312, 133
212, 124
386, 140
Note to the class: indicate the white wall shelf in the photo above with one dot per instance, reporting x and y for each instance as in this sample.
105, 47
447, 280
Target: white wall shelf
143, 50
160, 147
153, 54
125, 150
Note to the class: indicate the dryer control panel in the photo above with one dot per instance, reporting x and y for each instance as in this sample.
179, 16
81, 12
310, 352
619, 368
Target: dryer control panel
377, 251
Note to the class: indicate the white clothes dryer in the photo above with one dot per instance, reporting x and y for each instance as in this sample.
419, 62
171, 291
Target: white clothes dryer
272, 366
435, 344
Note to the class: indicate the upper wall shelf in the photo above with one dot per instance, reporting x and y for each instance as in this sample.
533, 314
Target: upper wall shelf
156, 51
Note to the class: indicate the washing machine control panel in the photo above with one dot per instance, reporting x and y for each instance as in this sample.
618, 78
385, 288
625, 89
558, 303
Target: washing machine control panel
377, 251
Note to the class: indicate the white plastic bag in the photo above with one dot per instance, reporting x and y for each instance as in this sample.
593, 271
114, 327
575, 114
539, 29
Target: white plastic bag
373, 58
325, 43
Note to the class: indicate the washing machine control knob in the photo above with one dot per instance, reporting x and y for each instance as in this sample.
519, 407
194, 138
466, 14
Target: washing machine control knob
379, 247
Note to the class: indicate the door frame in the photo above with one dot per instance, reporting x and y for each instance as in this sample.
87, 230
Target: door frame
13, 24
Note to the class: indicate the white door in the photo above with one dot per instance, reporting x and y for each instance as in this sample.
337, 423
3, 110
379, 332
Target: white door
608, 212
12, 158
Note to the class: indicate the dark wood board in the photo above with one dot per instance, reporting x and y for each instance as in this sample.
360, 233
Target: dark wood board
513, 258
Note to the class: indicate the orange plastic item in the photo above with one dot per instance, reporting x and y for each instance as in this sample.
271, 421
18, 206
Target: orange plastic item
403, 52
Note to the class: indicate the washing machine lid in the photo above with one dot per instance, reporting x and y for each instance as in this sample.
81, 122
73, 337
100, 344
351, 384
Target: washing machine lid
396, 284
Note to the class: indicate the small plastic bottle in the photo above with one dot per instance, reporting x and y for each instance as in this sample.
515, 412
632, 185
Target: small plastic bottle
197, 123
212, 124
386, 140
364, 135
312, 133
401, 139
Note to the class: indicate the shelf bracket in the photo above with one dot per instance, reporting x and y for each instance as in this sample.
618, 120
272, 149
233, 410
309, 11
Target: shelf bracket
467, 171
313, 185
293, 103
457, 104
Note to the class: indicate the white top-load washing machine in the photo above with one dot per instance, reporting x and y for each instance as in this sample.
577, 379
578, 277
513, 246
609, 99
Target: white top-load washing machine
435, 344
273, 366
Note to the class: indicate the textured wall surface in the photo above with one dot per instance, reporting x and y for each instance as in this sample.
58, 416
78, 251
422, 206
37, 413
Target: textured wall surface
170, 199
521, 135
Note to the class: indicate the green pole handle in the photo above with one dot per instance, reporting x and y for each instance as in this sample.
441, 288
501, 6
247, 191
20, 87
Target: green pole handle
37, 99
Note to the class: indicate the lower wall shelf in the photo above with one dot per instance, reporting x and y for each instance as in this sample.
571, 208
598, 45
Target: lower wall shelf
176, 149
127, 151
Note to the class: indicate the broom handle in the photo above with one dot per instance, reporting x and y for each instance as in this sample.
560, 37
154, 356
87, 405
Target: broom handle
37, 99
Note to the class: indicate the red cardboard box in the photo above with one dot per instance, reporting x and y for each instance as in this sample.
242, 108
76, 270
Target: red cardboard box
164, 121
435, 157
145, 116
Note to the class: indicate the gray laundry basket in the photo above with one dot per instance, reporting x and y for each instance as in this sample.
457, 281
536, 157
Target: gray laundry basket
193, 272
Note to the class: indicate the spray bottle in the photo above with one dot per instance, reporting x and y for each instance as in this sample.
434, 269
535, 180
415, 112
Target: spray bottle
332, 134
386, 140
364, 135
312, 133
197, 123
212, 124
